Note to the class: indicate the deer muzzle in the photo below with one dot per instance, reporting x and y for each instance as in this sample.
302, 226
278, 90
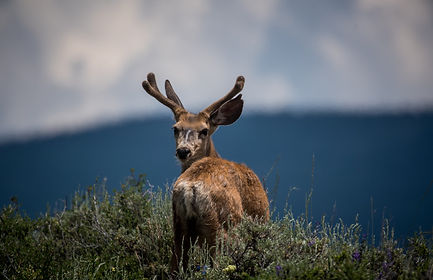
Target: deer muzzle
183, 153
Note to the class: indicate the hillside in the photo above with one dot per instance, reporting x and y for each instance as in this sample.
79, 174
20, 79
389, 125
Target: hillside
362, 163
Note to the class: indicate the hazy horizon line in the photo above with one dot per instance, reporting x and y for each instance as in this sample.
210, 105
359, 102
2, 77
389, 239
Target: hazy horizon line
29, 136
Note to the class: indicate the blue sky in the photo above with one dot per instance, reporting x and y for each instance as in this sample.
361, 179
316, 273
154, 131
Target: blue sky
68, 65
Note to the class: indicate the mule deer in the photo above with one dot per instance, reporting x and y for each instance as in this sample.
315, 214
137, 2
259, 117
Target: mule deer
211, 192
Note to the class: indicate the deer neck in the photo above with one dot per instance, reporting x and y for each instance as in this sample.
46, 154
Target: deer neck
210, 151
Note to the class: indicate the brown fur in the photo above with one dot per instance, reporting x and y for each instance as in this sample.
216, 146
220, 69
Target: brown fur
211, 192
209, 195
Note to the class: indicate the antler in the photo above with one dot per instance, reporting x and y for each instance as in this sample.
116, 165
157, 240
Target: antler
171, 94
171, 102
239, 85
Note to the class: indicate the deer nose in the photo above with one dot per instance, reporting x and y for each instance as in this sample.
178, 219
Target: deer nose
183, 153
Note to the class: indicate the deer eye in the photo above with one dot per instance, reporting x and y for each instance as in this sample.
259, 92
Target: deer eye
204, 132
175, 131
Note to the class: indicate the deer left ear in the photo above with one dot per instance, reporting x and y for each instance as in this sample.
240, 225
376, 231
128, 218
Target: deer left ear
229, 112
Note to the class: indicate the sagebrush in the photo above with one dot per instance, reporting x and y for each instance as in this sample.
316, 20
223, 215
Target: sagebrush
128, 235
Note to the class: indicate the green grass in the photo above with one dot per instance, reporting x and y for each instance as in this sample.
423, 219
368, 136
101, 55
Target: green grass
128, 235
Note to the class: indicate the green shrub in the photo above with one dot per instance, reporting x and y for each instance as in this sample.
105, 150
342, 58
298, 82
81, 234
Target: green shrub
128, 235
124, 236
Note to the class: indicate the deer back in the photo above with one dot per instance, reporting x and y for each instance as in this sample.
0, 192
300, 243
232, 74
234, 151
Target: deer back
219, 191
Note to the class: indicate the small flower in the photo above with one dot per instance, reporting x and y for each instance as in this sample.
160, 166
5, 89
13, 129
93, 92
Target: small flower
113, 269
278, 270
356, 255
230, 268
311, 243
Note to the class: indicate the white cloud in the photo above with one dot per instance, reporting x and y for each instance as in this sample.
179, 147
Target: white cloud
398, 25
95, 54
90, 50
69, 64
270, 94
379, 56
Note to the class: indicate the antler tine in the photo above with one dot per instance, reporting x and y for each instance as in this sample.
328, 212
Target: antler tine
151, 88
171, 94
152, 80
239, 85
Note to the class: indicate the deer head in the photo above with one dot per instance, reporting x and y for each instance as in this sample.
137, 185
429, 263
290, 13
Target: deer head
192, 132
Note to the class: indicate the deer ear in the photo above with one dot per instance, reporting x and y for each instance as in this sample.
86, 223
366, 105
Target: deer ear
229, 112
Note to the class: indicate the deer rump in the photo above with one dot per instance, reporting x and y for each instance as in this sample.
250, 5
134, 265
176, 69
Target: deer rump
211, 194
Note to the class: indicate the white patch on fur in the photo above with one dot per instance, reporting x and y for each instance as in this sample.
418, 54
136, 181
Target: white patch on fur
187, 135
191, 205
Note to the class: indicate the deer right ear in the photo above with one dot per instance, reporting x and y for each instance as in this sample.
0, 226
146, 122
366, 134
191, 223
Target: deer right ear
229, 112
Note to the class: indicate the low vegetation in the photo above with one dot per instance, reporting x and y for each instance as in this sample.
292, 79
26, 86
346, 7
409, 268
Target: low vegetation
128, 235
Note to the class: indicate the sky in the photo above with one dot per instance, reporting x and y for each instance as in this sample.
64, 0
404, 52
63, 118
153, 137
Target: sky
70, 65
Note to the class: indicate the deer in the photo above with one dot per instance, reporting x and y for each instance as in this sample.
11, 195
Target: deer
211, 192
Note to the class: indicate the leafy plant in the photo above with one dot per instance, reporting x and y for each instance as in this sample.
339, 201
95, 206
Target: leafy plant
128, 235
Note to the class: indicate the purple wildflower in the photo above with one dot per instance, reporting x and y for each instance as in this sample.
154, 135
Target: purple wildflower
356, 256
389, 254
278, 270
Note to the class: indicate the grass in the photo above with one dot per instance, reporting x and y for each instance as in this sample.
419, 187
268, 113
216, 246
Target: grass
128, 235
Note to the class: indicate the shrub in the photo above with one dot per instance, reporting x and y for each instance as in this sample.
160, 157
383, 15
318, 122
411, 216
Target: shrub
128, 235
124, 236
